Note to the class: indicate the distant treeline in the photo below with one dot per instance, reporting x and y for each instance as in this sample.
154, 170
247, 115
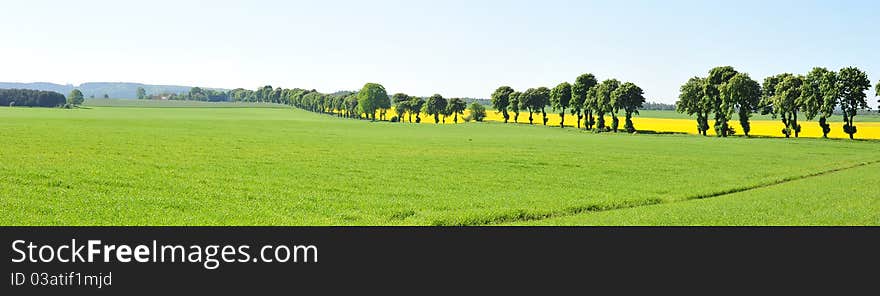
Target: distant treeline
120, 90
658, 106
194, 94
30, 97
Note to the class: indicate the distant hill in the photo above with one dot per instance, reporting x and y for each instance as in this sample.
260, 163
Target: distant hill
121, 90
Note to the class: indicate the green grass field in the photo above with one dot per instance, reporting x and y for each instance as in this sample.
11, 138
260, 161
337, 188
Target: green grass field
281, 166
846, 197
173, 104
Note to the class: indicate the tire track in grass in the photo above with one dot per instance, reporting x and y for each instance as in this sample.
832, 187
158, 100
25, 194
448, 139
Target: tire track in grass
521, 216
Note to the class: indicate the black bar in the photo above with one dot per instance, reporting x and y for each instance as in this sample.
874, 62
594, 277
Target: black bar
359, 259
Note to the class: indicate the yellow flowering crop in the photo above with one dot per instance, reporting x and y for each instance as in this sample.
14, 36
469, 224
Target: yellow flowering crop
772, 128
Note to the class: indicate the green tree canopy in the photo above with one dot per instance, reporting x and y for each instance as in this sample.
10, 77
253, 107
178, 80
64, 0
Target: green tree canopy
604, 103
560, 97
435, 105
478, 112
819, 96
351, 105
456, 106
541, 101
852, 84
629, 97
783, 100
718, 77
514, 105
579, 92
526, 102
373, 97
400, 109
691, 101
141, 93
401, 105
534, 100
75, 98
399, 97
415, 106
743, 95
501, 100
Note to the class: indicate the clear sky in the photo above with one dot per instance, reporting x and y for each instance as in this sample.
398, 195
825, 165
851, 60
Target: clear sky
455, 48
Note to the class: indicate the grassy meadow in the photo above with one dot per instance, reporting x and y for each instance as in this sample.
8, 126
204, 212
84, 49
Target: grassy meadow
283, 166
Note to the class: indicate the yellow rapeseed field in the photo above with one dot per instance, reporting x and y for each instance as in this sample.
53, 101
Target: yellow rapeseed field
772, 128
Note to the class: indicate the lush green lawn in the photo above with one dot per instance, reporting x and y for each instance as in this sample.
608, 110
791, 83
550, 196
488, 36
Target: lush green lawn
849, 197
170, 104
278, 166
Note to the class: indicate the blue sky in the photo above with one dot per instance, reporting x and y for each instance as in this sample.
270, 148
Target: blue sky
455, 48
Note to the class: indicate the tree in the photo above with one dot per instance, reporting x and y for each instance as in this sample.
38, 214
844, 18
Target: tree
542, 101
106, 96
456, 106
852, 84
400, 109
590, 106
819, 96
514, 105
478, 112
446, 112
525, 102
691, 102
372, 97
560, 97
351, 105
75, 98
534, 100
579, 91
743, 95
401, 105
415, 106
629, 97
275, 97
783, 100
141, 93
717, 79
31, 98
501, 100
604, 104
383, 103
435, 106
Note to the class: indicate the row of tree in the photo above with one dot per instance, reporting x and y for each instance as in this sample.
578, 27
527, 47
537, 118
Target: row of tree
584, 99
194, 94
30, 97
370, 102
725, 92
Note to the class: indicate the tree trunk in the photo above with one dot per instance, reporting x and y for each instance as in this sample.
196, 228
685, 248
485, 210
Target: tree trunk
562, 118
544, 116
530, 117
851, 132
588, 120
